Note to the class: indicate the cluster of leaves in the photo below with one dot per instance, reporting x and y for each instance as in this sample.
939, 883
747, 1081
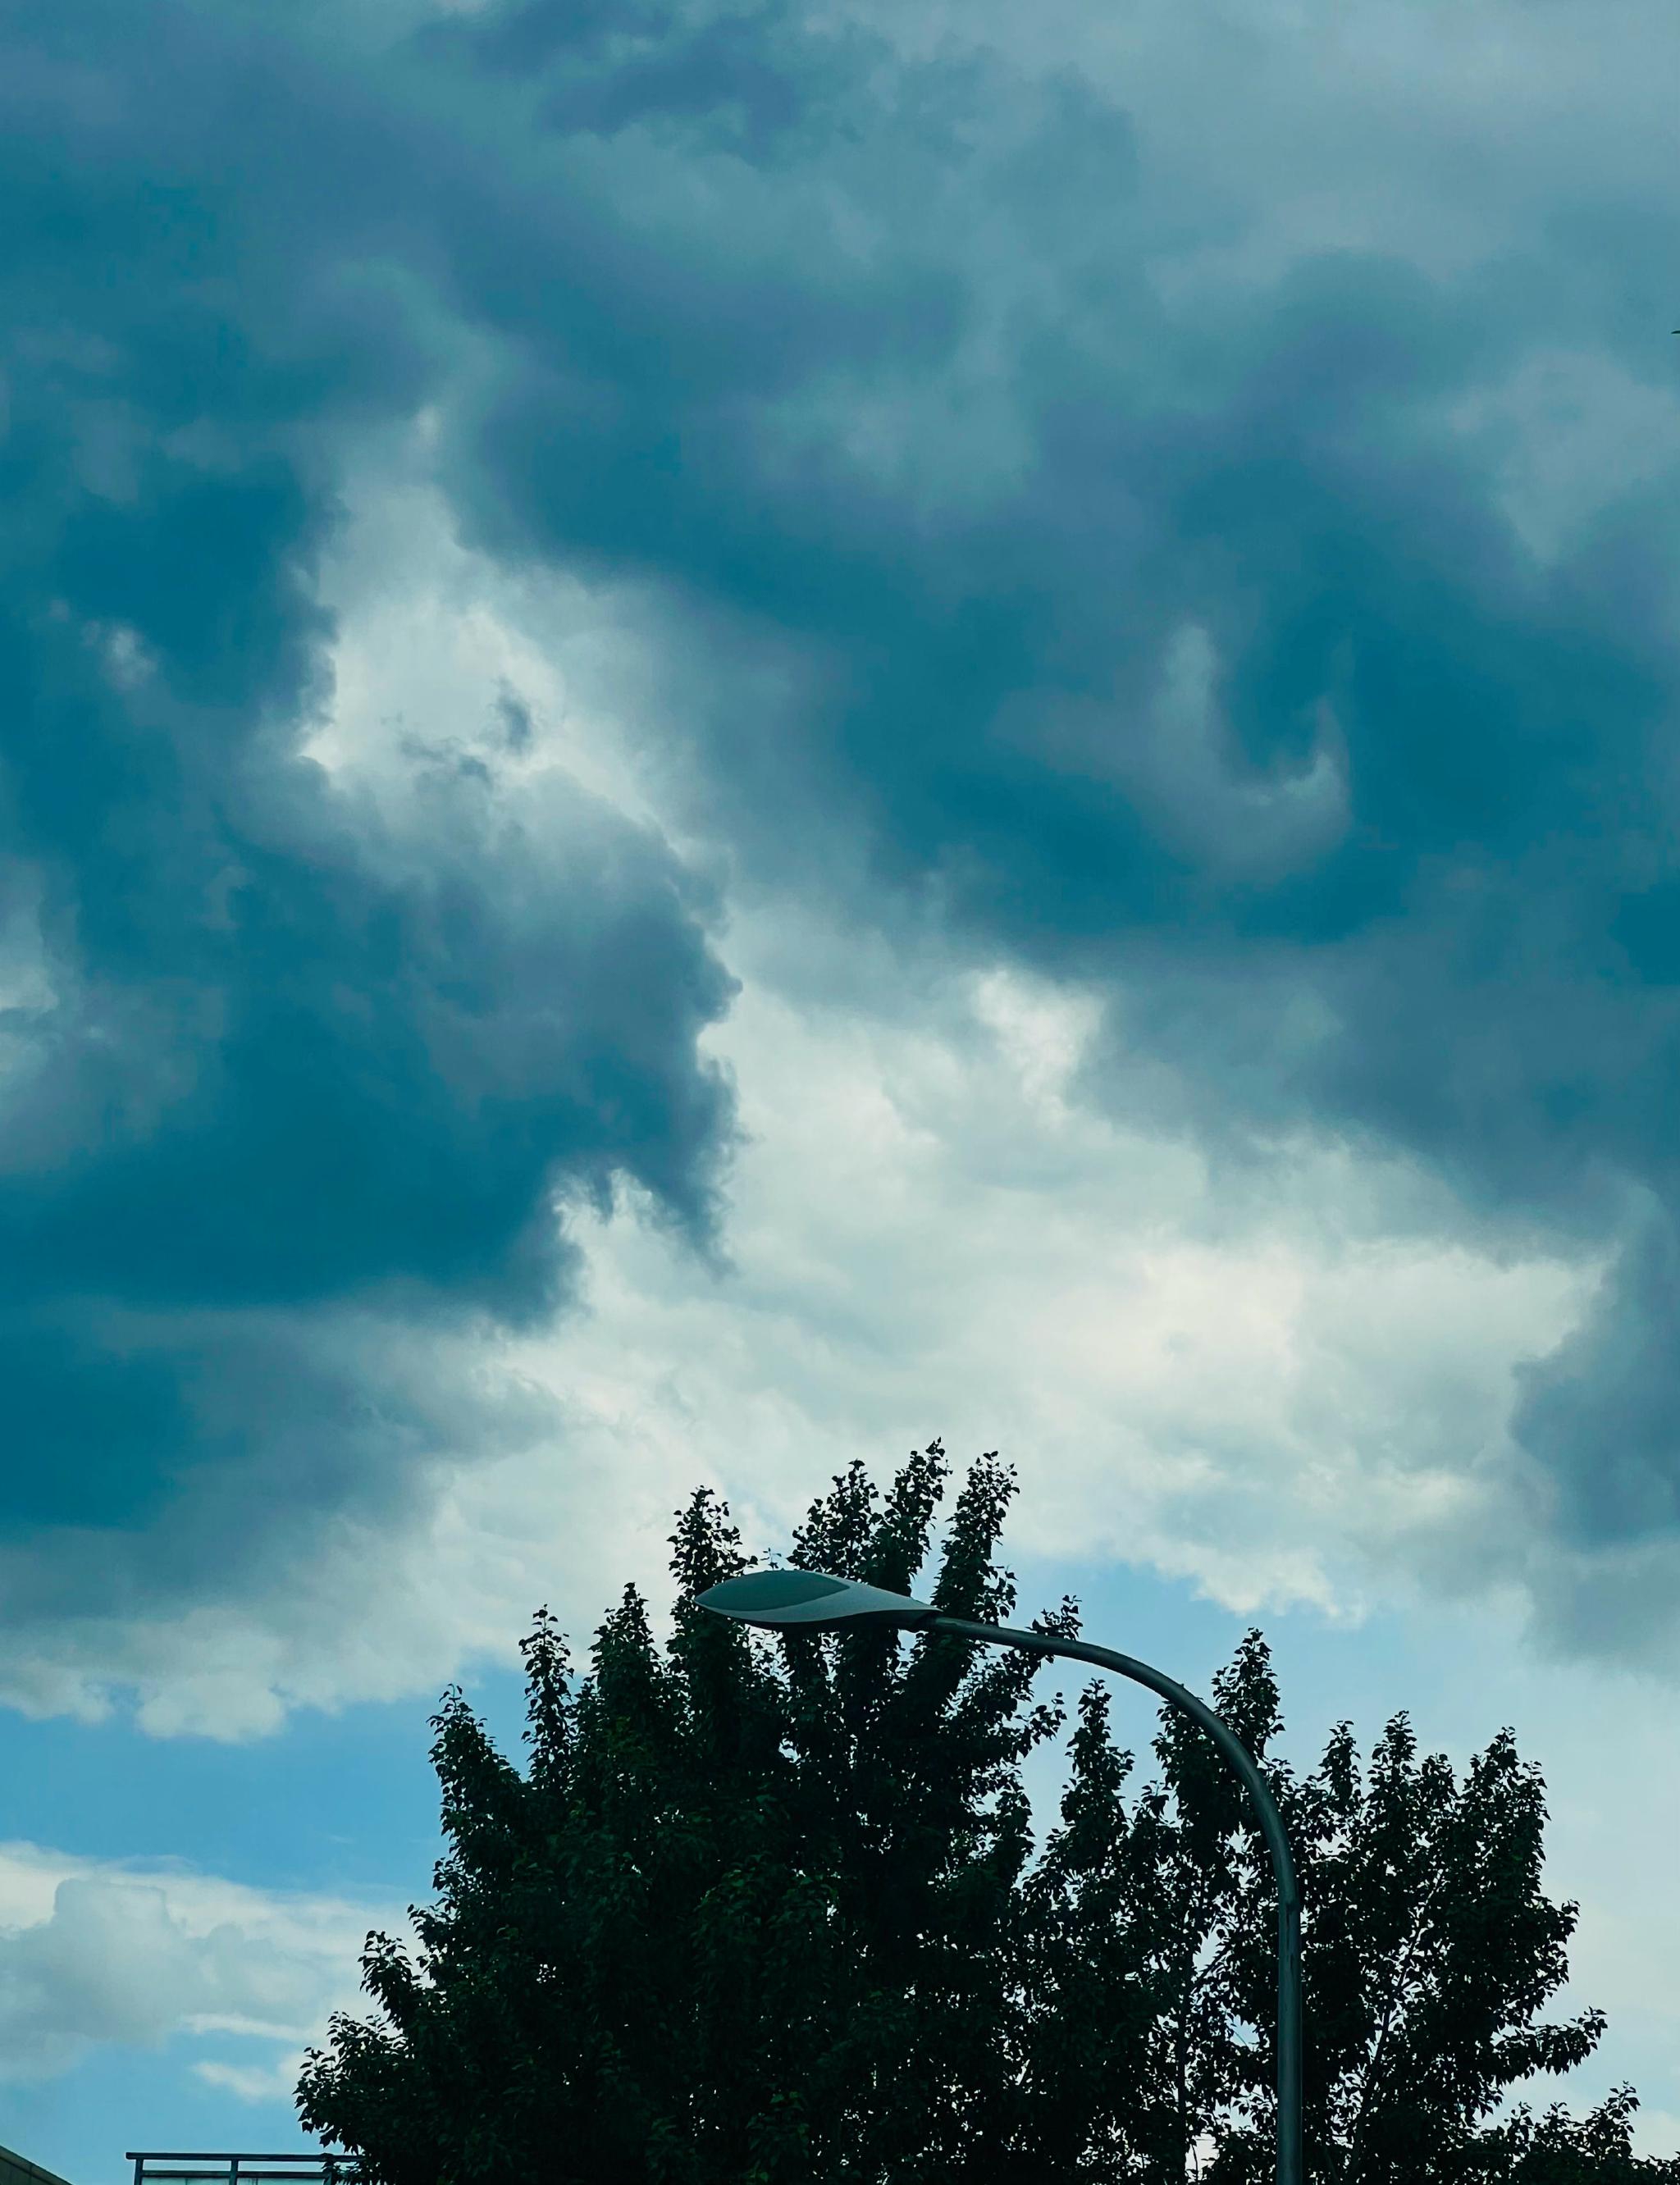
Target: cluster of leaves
757, 1913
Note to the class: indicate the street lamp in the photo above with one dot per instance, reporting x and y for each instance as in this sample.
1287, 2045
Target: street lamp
806, 1600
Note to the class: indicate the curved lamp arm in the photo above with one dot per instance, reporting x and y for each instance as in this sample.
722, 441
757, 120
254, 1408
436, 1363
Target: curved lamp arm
1242, 1763
780, 1599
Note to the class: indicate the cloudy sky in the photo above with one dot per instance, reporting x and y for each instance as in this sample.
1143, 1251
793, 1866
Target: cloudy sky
735, 730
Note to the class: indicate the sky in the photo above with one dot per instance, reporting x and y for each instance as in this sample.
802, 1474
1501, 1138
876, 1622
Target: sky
734, 731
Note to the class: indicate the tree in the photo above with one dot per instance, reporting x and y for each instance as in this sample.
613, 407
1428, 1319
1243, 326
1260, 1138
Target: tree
1430, 1951
764, 1911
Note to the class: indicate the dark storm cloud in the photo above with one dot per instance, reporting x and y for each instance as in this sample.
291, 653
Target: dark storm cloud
1398, 862
1609, 1390
1189, 650
277, 1073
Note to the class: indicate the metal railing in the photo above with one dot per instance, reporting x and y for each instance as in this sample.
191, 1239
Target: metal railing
202, 2169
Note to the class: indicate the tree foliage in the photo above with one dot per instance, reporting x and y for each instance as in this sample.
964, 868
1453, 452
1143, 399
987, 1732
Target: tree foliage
758, 1912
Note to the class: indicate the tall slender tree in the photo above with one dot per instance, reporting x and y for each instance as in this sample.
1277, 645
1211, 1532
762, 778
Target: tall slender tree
758, 1912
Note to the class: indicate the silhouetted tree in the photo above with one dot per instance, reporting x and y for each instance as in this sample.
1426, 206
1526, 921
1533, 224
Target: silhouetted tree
759, 1912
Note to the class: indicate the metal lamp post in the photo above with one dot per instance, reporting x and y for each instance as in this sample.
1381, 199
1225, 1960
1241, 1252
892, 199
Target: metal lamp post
807, 1601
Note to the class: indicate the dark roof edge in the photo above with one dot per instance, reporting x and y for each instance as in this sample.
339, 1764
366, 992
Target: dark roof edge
18, 2170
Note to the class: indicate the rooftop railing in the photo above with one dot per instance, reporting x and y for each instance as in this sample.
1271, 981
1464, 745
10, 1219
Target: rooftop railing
202, 2169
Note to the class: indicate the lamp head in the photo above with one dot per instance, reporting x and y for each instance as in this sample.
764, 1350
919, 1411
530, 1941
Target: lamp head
807, 1601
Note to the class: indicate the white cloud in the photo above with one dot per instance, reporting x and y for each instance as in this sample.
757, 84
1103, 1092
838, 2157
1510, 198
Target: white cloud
433, 648
97, 1951
1254, 1384
256, 2082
